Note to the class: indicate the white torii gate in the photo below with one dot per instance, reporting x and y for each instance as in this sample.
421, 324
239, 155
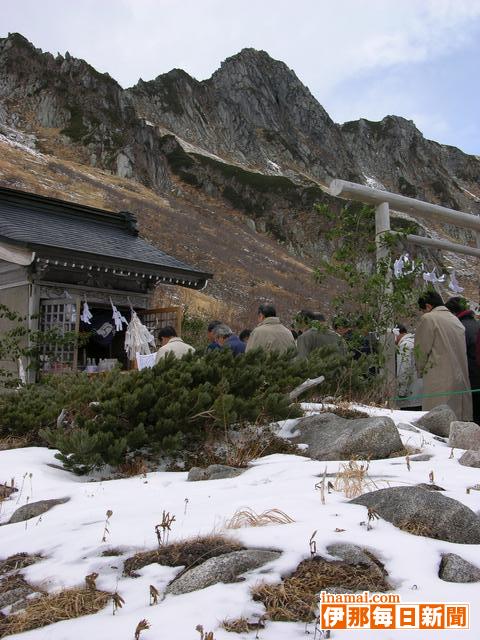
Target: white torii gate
383, 202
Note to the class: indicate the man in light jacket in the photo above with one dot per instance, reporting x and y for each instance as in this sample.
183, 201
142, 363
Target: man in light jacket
409, 385
441, 357
171, 343
270, 334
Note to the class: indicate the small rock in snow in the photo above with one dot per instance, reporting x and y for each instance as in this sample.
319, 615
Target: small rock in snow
454, 568
464, 435
225, 568
34, 509
438, 420
470, 459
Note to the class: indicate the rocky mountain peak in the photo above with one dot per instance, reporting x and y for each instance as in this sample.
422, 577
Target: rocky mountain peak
261, 75
16, 40
389, 125
255, 59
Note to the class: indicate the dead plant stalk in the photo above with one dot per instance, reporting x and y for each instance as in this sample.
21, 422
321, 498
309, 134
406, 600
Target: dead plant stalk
248, 518
106, 530
163, 529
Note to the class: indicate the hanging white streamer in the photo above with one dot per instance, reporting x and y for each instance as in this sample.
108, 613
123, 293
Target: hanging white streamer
433, 278
137, 338
400, 265
118, 318
453, 284
86, 316
407, 261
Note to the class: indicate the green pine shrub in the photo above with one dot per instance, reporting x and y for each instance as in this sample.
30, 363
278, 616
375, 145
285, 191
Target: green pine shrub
108, 419
26, 410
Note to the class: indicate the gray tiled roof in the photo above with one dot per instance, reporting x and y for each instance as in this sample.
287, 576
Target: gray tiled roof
35, 222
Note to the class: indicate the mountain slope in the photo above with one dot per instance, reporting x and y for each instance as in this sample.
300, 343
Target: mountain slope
249, 267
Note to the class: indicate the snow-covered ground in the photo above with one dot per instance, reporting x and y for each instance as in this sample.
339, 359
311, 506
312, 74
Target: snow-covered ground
69, 537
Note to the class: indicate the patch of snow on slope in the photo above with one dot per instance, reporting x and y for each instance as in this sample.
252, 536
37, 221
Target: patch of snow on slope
472, 195
19, 140
274, 167
373, 183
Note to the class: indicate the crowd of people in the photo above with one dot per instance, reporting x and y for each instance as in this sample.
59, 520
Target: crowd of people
439, 364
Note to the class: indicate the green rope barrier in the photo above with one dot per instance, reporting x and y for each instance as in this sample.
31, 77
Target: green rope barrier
439, 394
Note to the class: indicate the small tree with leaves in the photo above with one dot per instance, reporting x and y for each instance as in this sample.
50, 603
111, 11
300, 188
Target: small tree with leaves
20, 341
368, 300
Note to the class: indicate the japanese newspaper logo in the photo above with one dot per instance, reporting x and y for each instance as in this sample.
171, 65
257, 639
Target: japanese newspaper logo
386, 611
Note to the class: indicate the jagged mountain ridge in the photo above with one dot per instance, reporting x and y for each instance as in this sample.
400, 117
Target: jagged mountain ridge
251, 138
253, 112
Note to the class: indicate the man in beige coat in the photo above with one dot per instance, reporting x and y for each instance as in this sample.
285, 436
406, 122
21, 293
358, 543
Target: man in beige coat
441, 357
270, 334
171, 343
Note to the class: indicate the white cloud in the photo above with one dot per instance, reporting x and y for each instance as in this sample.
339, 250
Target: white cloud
324, 41
328, 43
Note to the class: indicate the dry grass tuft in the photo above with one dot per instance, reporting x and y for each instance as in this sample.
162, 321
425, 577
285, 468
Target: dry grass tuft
248, 518
243, 625
417, 528
204, 635
236, 625
134, 467
407, 450
252, 445
15, 442
18, 561
6, 490
65, 605
352, 478
188, 552
143, 625
238, 449
295, 599
344, 410
107, 553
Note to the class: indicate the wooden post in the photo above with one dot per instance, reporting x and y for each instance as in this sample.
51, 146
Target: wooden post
33, 324
387, 342
382, 226
179, 321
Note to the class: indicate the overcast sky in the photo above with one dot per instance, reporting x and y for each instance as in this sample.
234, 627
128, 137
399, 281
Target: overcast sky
360, 58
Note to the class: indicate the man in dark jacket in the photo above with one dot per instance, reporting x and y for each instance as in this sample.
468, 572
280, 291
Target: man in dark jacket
212, 343
315, 334
459, 307
225, 337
